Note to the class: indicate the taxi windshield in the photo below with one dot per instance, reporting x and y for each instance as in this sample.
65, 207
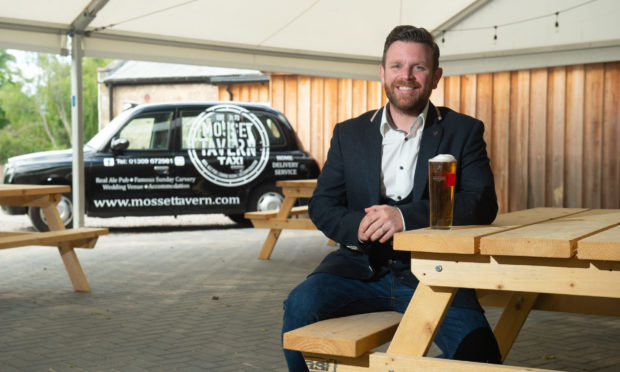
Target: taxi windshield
100, 139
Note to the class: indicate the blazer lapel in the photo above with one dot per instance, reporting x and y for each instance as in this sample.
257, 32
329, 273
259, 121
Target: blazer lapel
370, 157
431, 136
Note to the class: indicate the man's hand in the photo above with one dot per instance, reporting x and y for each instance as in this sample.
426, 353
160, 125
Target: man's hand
380, 223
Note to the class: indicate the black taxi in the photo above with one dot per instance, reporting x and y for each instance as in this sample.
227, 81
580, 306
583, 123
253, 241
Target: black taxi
175, 158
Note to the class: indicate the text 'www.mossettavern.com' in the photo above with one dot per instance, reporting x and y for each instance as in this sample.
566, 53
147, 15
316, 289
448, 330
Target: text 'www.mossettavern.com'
166, 202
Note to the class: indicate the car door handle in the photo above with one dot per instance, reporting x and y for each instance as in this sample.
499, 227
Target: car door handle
162, 169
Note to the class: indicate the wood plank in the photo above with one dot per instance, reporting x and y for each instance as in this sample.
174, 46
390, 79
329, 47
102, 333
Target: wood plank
425, 312
466, 239
554, 238
512, 319
331, 115
452, 89
520, 274
556, 113
602, 246
349, 336
302, 184
574, 155
375, 94
264, 215
359, 97
304, 99
593, 135
317, 106
500, 162
484, 107
537, 131
290, 223
437, 95
468, 95
345, 99
394, 362
8, 190
611, 137
276, 92
290, 100
519, 115
554, 302
80, 237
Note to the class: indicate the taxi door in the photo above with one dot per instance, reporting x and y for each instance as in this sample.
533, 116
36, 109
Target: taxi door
136, 175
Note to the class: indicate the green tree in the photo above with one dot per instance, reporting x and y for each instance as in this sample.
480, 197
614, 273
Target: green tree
5, 78
39, 118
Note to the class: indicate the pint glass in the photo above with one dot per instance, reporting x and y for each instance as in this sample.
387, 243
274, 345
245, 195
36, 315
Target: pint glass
441, 180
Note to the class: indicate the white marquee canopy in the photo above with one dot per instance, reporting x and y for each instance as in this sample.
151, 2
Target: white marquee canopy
340, 38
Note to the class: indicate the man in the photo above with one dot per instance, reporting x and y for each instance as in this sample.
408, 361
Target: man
375, 184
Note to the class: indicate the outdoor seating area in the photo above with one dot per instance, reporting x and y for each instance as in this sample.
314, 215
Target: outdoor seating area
46, 198
193, 297
288, 216
560, 252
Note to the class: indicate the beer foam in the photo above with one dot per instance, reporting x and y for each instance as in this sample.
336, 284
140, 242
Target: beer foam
443, 158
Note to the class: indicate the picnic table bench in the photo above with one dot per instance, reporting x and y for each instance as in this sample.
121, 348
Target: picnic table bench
288, 216
47, 197
553, 259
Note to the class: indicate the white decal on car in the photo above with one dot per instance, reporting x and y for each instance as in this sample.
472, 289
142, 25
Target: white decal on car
228, 145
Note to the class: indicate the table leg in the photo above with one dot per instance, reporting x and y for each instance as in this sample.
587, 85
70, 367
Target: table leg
69, 258
74, 269
421, 321
274, 234
512, 319
270, 242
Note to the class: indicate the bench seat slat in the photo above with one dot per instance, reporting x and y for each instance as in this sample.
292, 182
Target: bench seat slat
79, 238
349, 336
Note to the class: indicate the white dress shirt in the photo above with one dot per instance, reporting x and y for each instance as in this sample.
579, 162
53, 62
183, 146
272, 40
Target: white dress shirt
399, 155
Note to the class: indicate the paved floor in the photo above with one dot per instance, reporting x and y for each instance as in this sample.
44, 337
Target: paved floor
190, 295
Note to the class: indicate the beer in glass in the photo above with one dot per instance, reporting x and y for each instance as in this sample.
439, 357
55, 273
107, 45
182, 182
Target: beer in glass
441, 181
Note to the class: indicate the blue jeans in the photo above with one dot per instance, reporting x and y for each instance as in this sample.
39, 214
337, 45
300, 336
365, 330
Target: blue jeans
464, 333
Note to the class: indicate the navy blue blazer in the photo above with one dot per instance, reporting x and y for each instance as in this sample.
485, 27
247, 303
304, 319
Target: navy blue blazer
351, 181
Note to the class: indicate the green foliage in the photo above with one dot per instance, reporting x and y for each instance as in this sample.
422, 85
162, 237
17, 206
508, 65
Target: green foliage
35, 114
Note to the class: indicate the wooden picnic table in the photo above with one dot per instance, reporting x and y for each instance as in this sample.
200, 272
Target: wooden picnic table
556, 259
47, 197
284, 218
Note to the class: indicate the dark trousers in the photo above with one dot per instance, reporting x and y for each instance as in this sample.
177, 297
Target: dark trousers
464, 334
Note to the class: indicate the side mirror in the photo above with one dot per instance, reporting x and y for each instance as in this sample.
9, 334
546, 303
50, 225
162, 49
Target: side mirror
119, 144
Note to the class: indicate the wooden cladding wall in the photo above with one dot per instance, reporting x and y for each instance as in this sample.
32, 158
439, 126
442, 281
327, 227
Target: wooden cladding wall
551, 133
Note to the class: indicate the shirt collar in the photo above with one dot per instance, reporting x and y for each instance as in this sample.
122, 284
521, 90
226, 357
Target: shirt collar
386, 123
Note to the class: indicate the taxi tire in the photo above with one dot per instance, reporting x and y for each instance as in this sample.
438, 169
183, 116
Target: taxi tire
38, 221
265, 197
258, 194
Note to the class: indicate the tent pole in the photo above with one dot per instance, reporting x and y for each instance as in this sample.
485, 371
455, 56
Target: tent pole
77, 130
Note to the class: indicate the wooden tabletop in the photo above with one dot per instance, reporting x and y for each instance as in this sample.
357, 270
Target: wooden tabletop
297, 183
537, 232
8, 190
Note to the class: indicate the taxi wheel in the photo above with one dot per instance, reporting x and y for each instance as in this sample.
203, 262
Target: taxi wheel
266, 198
65, 209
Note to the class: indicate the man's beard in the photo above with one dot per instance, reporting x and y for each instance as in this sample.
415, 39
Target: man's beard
411, 105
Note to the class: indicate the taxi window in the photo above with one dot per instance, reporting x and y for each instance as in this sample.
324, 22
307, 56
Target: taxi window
276, 138
148, 132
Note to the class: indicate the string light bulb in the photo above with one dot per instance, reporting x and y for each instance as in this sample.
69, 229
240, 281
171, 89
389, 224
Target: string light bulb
495, 35
557, 21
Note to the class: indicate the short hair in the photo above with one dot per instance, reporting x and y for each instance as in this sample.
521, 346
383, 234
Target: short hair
412, 34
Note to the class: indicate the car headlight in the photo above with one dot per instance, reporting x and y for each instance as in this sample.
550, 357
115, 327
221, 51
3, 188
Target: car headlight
9, 172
